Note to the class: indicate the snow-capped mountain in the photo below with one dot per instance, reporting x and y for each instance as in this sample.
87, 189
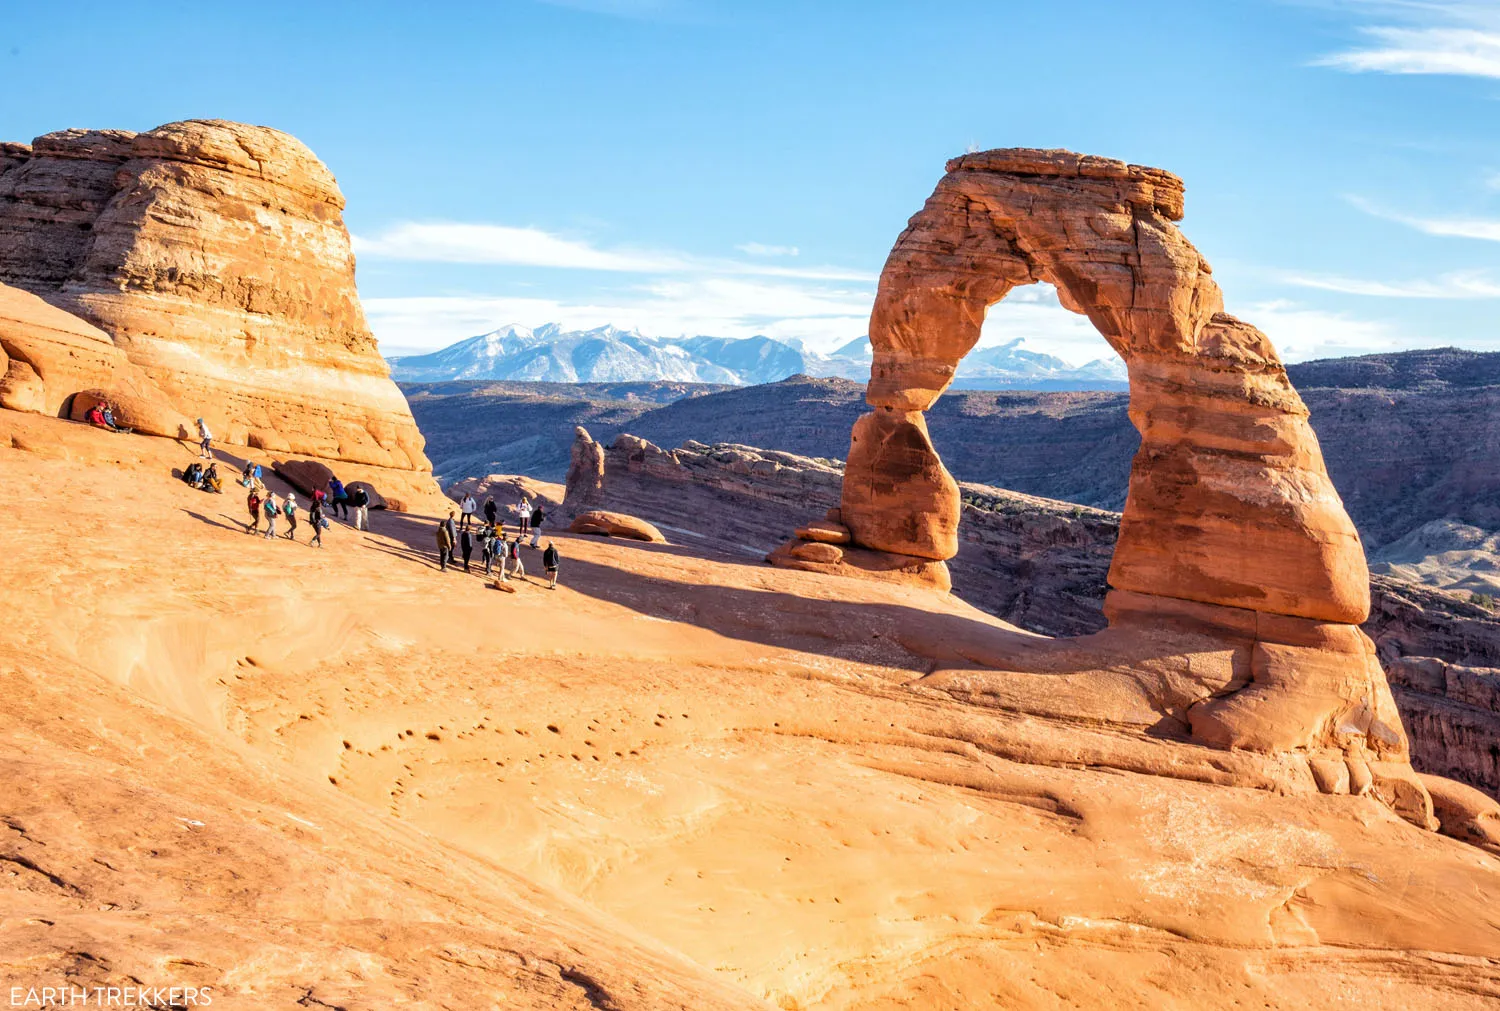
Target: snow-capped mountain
608, 354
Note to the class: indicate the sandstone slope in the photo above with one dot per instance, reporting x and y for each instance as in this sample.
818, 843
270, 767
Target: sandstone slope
342, 777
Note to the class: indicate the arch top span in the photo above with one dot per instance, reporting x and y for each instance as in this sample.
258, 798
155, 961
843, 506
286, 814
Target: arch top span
1099, 230
1229, 500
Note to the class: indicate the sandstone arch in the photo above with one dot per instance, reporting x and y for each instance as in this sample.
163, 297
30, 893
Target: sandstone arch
1231, 524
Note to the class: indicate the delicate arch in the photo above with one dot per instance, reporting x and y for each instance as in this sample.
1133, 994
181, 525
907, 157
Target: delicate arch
1229, 500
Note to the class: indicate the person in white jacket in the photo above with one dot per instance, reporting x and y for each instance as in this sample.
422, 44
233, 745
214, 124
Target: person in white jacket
468, 507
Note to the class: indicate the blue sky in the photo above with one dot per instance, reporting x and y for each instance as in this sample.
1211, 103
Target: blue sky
709, 166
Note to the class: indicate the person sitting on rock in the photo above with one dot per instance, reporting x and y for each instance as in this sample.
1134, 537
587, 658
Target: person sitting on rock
549, 562
99, 419
211, 479
193, 476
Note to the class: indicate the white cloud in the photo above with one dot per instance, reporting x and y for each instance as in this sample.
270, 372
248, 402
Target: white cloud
724, 307
1460, 38
1462, 227
463, 242
1461, 285
1034, 315
1299, 333
761, 249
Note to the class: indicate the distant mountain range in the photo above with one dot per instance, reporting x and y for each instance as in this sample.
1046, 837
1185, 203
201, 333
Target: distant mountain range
608, 354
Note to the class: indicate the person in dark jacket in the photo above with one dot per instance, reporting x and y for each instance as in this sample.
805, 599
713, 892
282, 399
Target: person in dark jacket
445, 542
315, 517
549, 562
338, 497
466, 545
361, 501
491, 510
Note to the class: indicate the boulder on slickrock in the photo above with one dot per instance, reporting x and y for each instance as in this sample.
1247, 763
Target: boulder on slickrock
812, 551
307, 476
139, 414
826, 532
610, 524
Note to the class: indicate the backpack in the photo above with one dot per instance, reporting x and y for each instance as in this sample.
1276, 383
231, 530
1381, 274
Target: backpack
270, 508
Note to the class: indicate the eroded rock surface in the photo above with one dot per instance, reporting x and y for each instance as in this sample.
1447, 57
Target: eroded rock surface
215, 256
1231, 523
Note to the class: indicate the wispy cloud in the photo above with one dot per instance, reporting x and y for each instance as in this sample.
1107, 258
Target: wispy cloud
1301, 333
1461, 37
1460, 285
1463, 226
761, 249
465, 242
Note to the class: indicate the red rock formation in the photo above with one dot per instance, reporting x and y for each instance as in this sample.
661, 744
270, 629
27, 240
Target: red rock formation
612, 524
215, 256
1231, 524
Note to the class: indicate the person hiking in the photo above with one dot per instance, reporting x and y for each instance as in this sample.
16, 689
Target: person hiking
315, 517
538, 517
272, 510
211, 479
205, 440
252, 502
487, 547
466, 545
549, 562
523, 511
517, 567
490, 509
338, 496
289, 510
361, 500
468, 507
445, 542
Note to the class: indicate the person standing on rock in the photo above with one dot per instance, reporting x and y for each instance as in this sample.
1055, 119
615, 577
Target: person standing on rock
523, 510
491, 510
518, 568
466, 545
538, 517
549, 562
361, 500
338, 496
252, 502
289, 510
468, 507
205, 440
315, 517
445, 542
271, 509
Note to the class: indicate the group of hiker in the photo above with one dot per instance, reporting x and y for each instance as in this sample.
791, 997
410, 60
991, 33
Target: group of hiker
260, 502
467, 534
102, 415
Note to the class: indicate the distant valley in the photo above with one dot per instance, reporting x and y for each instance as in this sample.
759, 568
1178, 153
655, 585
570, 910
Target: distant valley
1386, 424
608, 354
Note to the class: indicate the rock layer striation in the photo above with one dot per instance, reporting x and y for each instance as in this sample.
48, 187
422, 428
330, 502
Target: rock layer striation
215, 257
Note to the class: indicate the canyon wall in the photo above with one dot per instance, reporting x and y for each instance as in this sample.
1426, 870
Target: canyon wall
215, 257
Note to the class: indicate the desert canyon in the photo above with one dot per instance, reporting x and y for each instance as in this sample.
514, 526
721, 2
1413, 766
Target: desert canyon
687, 778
